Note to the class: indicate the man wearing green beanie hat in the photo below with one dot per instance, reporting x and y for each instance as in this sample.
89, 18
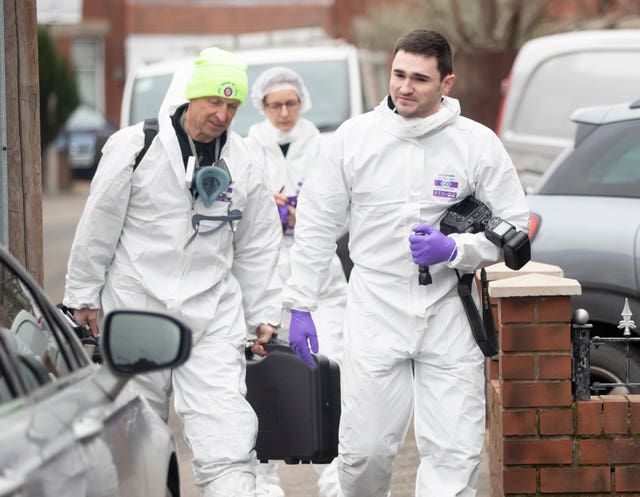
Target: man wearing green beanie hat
185, 224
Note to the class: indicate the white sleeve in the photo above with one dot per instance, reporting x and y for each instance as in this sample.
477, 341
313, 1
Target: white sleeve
256, 250
100, 225
496, 184
321, 216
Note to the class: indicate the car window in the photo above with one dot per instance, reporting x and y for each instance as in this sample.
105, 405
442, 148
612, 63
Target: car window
37, 355
147, 95
328, 85
588, 76
606, 163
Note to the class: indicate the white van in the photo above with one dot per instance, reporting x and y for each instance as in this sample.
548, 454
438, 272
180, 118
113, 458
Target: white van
342, 80
551, 77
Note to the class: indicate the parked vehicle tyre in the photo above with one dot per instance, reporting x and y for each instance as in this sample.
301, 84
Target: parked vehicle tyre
608, 366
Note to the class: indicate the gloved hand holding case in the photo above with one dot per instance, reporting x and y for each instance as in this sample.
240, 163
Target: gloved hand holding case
303, 336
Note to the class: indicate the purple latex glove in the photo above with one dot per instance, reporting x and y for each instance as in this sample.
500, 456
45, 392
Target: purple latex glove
292, 200
432, 247
302, 336
283, 210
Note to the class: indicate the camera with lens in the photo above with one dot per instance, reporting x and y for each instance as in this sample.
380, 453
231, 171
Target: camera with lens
473, 216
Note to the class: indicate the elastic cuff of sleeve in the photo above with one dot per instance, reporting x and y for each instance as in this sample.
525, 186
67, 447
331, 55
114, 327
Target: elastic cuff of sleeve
454, 253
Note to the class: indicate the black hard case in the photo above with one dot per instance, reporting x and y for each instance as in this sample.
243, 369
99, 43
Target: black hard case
298, 407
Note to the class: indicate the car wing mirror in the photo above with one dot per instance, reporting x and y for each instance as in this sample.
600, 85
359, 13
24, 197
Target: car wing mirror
140, 342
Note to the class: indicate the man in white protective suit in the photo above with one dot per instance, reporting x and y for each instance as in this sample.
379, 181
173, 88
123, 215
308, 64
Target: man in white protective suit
289, 146
408, 348
192, 231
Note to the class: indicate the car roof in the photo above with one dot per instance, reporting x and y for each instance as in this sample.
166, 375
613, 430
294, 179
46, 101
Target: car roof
86, 117
537, 50
266, 55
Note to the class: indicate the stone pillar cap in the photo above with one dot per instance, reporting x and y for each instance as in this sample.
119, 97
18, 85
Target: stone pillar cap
534, 285
500, 271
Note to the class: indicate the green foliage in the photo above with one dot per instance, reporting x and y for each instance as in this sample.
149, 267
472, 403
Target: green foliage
59, 95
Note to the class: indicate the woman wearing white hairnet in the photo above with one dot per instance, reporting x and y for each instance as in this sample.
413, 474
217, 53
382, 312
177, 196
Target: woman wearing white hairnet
290, 146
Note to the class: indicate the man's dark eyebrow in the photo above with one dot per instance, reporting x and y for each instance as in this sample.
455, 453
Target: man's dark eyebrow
411, 75
420, 75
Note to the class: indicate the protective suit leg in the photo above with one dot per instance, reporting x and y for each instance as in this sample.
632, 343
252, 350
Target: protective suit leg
219, 424
328, 479
267, 479
156, 388
373, 382
209, 396
209, 390
450, 405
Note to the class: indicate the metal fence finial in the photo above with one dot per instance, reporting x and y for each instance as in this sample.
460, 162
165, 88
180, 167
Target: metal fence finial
626, 323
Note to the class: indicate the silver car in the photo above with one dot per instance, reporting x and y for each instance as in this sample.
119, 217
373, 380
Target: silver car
586, 219
69, 428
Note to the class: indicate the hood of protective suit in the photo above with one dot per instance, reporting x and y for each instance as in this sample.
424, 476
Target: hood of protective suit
175, 95
415, 127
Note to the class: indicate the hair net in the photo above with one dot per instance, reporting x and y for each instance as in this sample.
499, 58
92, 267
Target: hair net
218, 73
279, 78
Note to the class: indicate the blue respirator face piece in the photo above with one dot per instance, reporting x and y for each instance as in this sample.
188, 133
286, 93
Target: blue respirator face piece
211, 181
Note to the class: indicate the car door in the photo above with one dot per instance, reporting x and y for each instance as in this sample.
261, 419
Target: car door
62, 435
39, 454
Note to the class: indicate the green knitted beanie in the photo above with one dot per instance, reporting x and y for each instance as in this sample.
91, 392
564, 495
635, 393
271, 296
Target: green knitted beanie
218, 73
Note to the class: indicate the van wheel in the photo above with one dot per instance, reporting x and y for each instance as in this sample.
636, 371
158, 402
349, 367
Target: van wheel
608, 366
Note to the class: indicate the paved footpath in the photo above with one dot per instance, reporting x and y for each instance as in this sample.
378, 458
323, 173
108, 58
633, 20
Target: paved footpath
299, 480
60, 215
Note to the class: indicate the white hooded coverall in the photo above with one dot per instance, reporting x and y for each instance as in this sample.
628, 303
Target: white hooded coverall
286, 174
408, 348
131, 251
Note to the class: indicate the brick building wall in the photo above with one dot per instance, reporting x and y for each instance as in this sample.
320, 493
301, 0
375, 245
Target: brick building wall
113, 12
194, 19
542, 441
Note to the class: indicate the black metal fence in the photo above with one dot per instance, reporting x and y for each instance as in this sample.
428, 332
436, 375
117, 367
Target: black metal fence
582, 342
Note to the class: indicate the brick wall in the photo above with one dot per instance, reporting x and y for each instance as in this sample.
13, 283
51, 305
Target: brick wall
543, 442
230, 19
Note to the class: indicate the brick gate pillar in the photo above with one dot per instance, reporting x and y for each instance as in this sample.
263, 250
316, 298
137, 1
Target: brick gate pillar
529, 400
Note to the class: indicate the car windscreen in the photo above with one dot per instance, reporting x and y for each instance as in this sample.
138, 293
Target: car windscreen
328, 85
606, 163
147, 95
326, 80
